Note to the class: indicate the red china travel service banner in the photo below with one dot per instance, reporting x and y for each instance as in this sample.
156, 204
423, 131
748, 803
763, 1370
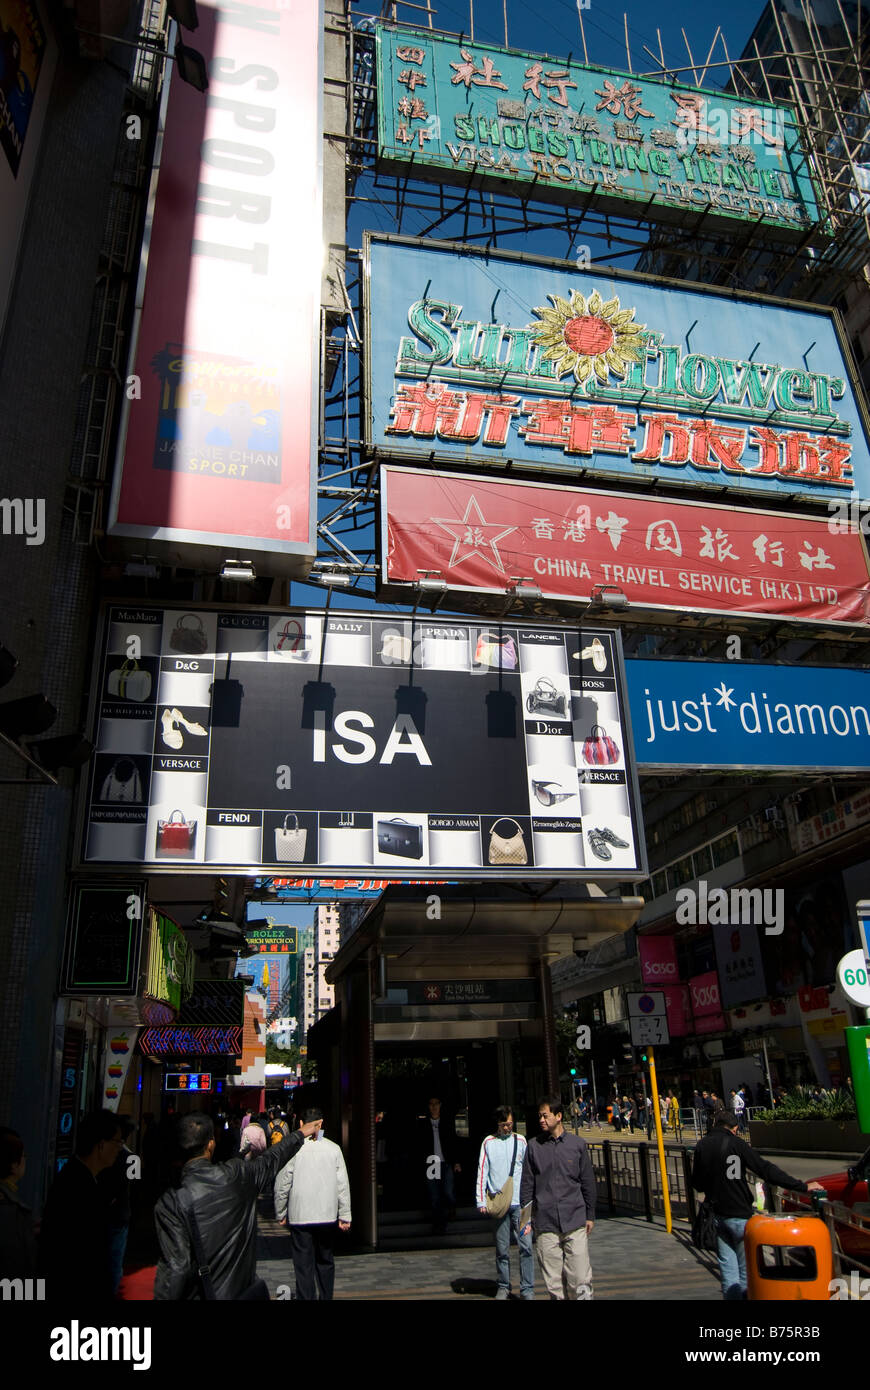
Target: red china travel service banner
485, 534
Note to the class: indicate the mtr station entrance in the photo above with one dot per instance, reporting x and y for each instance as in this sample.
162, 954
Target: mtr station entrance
447, 997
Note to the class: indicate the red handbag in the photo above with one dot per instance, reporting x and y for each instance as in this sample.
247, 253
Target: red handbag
175, 836
599, 749
289, 640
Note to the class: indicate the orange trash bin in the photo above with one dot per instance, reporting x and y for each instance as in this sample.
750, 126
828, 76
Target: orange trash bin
788, 1257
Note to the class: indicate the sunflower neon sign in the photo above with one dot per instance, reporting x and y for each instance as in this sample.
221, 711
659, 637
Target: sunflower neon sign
493, 356
587, 337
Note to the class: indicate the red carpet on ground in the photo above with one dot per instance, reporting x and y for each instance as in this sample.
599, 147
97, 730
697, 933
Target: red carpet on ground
137, 1285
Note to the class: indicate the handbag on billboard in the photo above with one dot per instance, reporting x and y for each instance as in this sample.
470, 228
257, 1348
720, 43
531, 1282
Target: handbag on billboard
176, 836
510, 849
292, 641
499, 652
398, 836
130, 682
190, 640
546, 698
290, 843
599, 749
395, 646
122, 782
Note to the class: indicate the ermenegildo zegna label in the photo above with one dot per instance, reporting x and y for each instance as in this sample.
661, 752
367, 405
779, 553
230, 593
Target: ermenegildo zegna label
252, 740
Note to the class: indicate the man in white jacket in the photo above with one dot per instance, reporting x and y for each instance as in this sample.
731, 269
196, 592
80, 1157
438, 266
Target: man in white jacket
501, 1157
312, 1196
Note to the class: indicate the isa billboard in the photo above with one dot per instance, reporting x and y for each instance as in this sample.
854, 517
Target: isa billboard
453, 110
219, 434
362, 743
477, 357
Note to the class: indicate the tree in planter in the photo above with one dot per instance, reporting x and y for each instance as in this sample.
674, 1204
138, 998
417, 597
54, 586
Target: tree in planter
799, 1105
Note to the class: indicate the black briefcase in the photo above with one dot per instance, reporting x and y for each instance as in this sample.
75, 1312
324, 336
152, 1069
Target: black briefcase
396, 836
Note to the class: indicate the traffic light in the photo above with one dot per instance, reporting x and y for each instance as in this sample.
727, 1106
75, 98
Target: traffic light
627, 1052
573, 1071
613, 1069
644, 1057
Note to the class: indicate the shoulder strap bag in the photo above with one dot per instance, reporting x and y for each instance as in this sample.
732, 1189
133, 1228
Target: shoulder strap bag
599, 749
191, 640
510, 849
498, 1204
290, 841
257, 1291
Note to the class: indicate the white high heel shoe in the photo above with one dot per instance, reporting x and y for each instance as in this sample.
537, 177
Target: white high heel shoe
171, 733
191, 725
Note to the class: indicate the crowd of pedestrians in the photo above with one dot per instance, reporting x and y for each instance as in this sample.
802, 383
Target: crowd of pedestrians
538, 1192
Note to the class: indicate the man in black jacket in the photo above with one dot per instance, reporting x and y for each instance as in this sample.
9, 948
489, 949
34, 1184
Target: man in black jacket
74, 1250
719, 1170
224, 1200
438, 1154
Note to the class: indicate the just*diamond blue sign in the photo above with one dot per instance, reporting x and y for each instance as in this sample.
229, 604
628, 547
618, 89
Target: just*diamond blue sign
731, 714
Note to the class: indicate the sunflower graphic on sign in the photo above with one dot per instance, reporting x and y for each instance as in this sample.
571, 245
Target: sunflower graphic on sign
588, 336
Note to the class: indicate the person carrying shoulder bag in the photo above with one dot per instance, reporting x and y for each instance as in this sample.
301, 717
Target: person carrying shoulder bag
499, 1174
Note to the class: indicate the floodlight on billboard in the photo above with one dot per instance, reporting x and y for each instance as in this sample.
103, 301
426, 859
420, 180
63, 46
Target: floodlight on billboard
218, 443
491, 358
363, 744
465, 112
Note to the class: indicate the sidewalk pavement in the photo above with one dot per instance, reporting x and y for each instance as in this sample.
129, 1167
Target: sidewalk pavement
632, 1260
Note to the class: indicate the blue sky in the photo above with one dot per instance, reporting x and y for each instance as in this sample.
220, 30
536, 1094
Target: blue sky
554, 28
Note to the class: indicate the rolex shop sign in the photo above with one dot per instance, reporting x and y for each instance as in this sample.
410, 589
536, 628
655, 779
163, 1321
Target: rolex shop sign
171, 962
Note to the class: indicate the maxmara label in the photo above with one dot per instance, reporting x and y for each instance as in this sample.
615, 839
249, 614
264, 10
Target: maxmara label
576, 370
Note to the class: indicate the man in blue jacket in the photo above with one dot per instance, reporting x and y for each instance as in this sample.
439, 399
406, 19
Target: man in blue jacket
501, 1158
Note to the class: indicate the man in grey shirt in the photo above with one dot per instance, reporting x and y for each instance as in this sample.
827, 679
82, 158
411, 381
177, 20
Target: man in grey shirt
558, 1179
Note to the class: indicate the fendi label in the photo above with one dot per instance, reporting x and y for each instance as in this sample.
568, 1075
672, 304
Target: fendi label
242, 818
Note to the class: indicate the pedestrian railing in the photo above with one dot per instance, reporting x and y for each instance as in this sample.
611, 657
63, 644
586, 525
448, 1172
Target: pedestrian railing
629, 1178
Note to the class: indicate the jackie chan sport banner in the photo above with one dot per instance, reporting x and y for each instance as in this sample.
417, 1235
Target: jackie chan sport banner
457, 110
219, 431
28, 55
480, 357
361, 742
481, 534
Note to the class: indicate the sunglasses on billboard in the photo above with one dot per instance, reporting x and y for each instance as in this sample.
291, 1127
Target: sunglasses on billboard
550, 793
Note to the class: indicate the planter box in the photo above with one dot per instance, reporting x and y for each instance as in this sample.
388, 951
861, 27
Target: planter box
809, 1136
